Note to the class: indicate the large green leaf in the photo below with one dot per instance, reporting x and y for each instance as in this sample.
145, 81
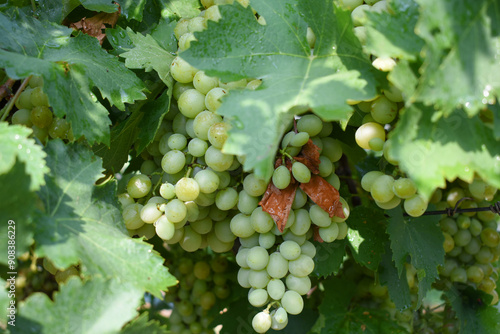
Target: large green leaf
461, 57
422, 240
433, 152
143, 325
82, 224
71, 67
95, 306
329, 257
278, 53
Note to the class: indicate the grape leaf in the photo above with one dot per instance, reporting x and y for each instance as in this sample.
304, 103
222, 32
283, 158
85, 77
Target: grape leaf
163, 33
17, 145
183, 8
82, 223
421, 239
340, 317
107, 306
70, 68
368, 224
433, 152
474, 316
397, 285
17, 203
329, 257
461, 57
100, 5
132, 10
392, 33
55, 10
149, 55
237, 47
143, 325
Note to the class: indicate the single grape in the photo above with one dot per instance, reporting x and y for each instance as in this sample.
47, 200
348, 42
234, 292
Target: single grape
187, 189
290, 250
261, 322
277, 266
139, 186
301, 172
415, 206
311, 124
253, 185
182, 71
292, 302
404, 188
173, 162
217, 134
281, 177
301, 285
217, 160
302, 266
164, 229
367, 132
258, 297
381, 189
213, 98
276, 288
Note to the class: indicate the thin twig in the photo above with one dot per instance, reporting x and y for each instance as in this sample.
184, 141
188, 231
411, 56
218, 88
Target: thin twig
8, 107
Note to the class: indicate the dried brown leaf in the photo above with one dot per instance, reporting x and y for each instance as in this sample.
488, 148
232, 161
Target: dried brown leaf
309, 156
278, 203
324, 194
95, 25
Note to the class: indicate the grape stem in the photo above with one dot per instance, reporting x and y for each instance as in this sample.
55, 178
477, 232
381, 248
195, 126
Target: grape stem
8, 107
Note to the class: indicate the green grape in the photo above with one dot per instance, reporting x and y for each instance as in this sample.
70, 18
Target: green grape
289, 235
223, 232
325, 167
404, 188
302, 222
475, 227
181, 27
381, 189
261, 221
490, 237
178, 235
300, 199
203, 121
301, 285
36, 82
203, 83
226, 199
22, 117
150, 213
258, 297
167, 190
173, 162
250, 241
318, 216
254, 186
178, 89
39, 98
41, 116
207, 300
329, 233
258, 279
185, 41
164, 229
217, 245
350, 4
241, 257
447, 268
139, 186
253, 84
448, 243
217, 134
192, 211
299, 139
24, 100
217, 160
213, 98
281, 177
239, 84
276, 288
217, 214
448, 225
148, 167
376, 144
241, 226
190, 241
177, 141
277, 266
125, 199
267, 240
393, 94
175, 210
132, 216
475, 274
202, 226
292, 302
261, 322
257, 258
205, 200
290, 250
279, 319
415, 206
302, 266
207, 180
367, 132
394, 202
454, 195
487, 285
182, 71
458, 274
187, 189
201, 270
384, 64
331, 149
285, 141
484, 256
301, 172
147, 231
197, 147
246, 203
311, 124
191, 103
463, 222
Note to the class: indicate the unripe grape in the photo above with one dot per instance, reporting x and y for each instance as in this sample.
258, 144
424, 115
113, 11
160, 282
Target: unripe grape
367, 132
261, 322
281, 177
301, 172
139, 186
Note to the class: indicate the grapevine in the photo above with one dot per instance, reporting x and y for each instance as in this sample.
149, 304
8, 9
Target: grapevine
249, 166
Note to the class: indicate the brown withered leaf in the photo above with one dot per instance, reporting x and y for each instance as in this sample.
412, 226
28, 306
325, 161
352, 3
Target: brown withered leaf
309, 156
95, 25
278, 203
324, 194
316, 235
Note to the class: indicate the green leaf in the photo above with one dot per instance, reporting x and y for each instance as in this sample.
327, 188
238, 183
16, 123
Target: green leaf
453, 147
278, 53
461, 57
183, 8
392, 33
367, 235
100, 5
496, 119
15, 144
163, 33
54, 10
473, 314
82, 223
329, 257
94, 306
340, 317
421, 239
149, 55
132, 10
397, 285
17, 203
142, 324
71, 67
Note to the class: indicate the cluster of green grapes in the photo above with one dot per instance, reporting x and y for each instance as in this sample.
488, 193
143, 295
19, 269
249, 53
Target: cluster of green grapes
201, 284
34, 112
471, 239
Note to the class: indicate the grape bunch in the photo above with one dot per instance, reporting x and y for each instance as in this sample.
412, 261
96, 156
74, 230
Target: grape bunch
201, 284
471, 239
34, 112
